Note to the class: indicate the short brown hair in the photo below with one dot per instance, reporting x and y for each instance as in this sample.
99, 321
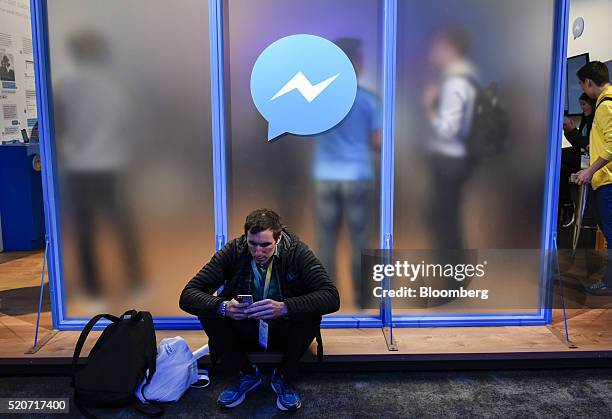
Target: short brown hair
596, 71
263, 219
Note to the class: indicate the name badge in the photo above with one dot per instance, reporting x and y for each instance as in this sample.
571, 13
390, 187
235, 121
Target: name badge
263, 334
584, 161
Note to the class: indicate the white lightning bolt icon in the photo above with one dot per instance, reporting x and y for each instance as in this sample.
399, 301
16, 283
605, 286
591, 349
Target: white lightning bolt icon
303, 85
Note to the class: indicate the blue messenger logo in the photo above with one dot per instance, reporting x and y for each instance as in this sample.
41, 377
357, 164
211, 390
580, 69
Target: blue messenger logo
303, 84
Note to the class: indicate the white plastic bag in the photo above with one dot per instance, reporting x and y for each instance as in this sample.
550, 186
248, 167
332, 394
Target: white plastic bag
176, 370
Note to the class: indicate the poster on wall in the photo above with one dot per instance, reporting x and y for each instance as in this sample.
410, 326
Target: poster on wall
17, 85
573, 85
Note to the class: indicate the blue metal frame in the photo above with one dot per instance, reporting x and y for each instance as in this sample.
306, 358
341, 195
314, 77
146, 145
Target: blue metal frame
549, 228
47, 152
219, 148
387, 152
50, 191
215, 20
543, 315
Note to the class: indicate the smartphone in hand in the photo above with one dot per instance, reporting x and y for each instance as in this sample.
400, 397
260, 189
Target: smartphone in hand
243, 298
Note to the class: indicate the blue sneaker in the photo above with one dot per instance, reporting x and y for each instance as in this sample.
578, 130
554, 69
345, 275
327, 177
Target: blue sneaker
236, 394
287, 398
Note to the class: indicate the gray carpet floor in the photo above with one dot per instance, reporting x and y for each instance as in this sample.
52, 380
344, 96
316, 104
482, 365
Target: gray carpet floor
583, 393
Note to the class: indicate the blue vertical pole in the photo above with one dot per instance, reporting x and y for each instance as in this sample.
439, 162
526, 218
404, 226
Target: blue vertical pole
551, 190
42, 288
215, 19
44, 103
388, 132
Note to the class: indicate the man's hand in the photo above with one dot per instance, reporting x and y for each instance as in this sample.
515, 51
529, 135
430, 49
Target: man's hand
267, 309
584, 176
236, 310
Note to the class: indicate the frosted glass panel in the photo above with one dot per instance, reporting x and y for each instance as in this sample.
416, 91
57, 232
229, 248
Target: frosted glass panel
306, 179
447, 194
131, 102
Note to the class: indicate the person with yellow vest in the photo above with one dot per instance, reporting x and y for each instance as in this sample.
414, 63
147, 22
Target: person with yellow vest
595, 81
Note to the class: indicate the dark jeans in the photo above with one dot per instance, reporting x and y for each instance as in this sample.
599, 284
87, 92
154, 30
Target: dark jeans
232, 340
95, 195
603, 196
353, 201
449, 175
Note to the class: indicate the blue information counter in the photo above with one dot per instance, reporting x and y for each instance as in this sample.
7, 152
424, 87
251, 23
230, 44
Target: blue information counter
21, 202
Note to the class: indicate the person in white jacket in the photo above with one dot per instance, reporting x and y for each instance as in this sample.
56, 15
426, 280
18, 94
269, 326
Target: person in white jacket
449, 106
93, 135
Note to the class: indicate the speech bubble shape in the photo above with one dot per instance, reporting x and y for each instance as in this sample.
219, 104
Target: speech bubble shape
578, 27
303, 84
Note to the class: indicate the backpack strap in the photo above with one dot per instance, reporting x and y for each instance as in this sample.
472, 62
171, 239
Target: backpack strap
151, 408
473, 80
150, 343
605, 99
77, 352
83, 337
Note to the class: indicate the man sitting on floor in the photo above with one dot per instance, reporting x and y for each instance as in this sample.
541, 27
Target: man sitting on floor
290, 290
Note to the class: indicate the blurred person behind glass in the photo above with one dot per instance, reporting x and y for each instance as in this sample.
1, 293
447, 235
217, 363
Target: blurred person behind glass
449, 106
571, 156
343, 171
92, 114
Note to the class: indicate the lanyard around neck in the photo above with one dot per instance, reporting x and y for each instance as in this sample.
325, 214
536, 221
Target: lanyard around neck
268, 276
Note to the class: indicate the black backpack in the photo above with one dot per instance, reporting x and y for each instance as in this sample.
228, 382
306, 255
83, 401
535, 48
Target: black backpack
117, 363
489, 130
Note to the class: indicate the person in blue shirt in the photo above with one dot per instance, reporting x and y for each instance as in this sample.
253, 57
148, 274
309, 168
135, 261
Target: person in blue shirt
343, 171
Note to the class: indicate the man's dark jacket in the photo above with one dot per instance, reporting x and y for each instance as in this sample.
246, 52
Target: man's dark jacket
304, 284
